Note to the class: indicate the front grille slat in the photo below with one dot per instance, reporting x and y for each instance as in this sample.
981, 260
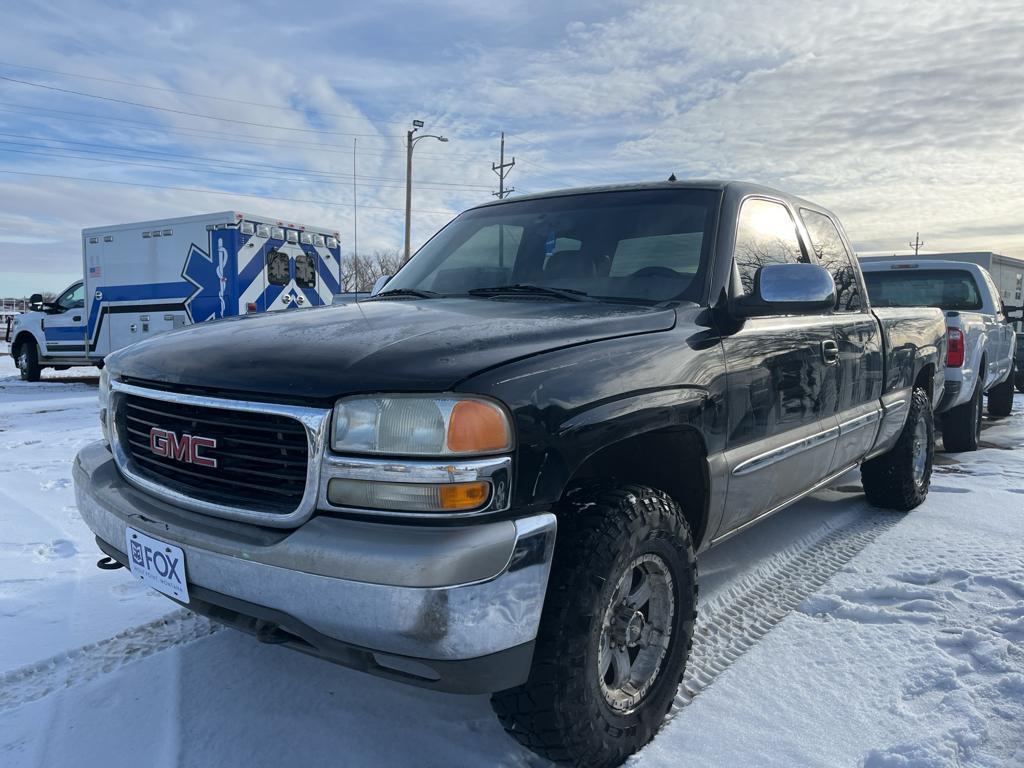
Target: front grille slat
240, 424
282, 460
262, 459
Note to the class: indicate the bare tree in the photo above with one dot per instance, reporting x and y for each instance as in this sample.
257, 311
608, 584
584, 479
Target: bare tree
360, 272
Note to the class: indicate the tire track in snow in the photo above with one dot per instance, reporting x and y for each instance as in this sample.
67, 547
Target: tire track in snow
81, 665
727, 627
733, 622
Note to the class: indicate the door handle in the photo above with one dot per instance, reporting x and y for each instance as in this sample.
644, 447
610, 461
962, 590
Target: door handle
77, 318
830, 352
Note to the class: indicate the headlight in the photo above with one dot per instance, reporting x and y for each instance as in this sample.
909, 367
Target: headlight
411, 425
105, 404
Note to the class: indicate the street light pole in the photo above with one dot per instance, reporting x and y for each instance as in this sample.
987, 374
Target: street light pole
410, 142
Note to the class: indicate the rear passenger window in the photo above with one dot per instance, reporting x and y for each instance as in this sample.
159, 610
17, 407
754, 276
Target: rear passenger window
765, 234
305, 271
277, 268
834, 257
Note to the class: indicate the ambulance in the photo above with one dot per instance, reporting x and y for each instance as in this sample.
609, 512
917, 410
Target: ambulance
143, 279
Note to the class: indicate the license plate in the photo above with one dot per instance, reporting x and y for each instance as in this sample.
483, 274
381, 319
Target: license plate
157, 564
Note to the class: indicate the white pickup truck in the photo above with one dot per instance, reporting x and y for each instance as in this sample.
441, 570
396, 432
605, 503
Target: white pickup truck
980, 340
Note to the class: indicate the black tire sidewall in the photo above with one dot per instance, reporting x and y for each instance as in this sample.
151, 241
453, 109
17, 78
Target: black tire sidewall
647, 717
1000, 399
30, 371
560, 712
961, 429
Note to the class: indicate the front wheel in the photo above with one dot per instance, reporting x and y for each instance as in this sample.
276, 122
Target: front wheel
615, 633
28, 361
899, 479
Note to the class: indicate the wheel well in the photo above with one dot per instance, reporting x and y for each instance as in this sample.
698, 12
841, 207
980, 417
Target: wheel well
20, 339
926, 380
672, 461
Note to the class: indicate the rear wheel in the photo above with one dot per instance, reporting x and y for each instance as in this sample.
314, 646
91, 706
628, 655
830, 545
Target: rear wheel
961, 426
615, 634
1000, 398
28, 361
899, 479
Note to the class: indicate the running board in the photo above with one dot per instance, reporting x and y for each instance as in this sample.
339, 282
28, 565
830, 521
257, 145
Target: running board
768, 513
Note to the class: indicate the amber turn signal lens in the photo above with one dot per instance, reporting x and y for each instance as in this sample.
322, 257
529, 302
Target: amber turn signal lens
477, 427
460, 496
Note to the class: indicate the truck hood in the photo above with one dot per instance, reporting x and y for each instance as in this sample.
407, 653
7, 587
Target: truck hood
376, 346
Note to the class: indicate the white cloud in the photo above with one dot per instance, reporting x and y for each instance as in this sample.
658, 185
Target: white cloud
900, 116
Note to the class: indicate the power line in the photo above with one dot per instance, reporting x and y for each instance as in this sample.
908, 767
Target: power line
213, 192
135, 152
190, 93
267, 141
203, 169
191, 114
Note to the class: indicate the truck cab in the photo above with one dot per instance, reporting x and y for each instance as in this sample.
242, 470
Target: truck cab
51, 334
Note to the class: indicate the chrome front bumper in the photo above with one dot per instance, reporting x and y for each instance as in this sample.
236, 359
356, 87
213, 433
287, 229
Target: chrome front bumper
402, 594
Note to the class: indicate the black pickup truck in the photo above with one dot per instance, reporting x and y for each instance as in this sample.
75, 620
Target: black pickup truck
494, 476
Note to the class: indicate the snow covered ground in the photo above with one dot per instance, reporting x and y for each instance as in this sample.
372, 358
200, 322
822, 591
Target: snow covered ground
832, 634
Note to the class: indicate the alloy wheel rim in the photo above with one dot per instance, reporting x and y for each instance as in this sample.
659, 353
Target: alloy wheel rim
635, 633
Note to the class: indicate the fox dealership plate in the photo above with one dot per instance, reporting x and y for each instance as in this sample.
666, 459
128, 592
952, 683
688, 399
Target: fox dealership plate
157, 564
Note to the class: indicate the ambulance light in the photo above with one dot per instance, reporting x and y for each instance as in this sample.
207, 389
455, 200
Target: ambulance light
168, 232
293, 236
263, 231
247, 228
146, 234
332, 242
277, 233
306, 238
319, 240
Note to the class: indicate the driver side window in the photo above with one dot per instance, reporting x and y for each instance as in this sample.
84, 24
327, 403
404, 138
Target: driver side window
73, 298
765, 234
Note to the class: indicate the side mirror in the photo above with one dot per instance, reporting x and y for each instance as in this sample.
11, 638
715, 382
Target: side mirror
35, 302
379, 283
788, 289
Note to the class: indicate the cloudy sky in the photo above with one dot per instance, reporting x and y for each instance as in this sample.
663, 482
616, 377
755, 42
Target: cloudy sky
900, 116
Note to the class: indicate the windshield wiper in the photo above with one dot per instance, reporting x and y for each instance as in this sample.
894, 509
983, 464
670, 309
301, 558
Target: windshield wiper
524, 289
415, 292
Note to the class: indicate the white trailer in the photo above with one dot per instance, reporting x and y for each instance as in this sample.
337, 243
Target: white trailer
150, 277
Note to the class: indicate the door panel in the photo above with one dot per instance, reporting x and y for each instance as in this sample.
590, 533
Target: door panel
782, 413
65, 331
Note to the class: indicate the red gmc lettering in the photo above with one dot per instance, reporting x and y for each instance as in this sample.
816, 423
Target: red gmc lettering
202, 442
183, 448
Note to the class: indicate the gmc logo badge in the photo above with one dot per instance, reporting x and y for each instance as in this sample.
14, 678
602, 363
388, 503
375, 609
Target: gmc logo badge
183, 448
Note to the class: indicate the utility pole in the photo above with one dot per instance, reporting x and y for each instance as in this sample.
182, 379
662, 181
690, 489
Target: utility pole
916, 245
355, 219
410, 143
499, 169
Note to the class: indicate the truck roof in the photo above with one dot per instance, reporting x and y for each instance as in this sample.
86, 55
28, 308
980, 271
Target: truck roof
741, 187
228, 217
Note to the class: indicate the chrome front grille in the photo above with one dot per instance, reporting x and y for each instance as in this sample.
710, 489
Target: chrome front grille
237, 459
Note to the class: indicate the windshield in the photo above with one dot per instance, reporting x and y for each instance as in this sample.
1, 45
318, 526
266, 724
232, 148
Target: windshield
635, 245
942, 288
